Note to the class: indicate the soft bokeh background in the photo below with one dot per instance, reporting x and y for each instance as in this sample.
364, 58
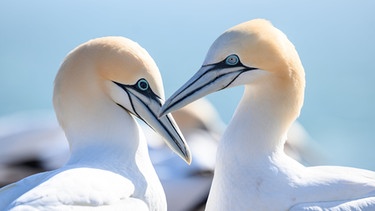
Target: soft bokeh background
335, 40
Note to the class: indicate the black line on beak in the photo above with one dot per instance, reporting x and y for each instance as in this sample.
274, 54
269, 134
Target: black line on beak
150, 94
240, 72
216, 66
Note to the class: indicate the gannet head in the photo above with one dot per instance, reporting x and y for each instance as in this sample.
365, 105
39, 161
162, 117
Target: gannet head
254, 54
114, 73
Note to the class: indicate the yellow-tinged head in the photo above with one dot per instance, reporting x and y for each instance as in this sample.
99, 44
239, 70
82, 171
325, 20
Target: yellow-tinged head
109, 59
258, 44
253, 53
113, 73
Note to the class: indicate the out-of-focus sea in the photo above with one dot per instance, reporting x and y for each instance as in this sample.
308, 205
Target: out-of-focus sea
335, 40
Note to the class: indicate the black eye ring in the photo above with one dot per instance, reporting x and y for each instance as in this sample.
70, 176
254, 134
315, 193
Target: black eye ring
232, 60
142, 84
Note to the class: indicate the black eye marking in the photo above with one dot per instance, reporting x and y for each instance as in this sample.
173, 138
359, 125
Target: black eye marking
232, 60
140, 90
142, 84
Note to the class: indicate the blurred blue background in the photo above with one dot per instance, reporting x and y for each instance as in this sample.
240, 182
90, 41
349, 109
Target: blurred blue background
335, 40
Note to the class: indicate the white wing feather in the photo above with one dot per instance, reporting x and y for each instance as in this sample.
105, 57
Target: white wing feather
77, 188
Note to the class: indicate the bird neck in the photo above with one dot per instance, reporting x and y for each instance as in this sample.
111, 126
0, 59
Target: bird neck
99, 131
106, 135
262, 119
113, 141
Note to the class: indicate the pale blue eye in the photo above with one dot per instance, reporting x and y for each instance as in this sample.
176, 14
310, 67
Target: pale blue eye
232, 60
142, 84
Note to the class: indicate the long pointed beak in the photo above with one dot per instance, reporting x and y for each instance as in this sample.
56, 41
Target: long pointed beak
208, 79
147, 107
166, 127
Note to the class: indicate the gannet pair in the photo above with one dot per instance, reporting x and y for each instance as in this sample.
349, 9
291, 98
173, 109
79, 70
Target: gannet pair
32, 142
100, 86
252, 171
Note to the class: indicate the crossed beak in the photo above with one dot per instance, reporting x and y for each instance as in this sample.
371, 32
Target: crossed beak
208, 79
146, 106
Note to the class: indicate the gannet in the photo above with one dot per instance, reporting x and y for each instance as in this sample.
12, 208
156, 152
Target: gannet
100, 87
252, 171
32, 141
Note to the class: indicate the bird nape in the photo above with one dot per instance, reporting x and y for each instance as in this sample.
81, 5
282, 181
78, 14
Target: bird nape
100, 87
252, 171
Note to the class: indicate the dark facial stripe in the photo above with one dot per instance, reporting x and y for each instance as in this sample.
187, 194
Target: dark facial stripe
217, 66
150, 94
240, 72
177, 143
182, 149
130, 99
161, 123
147, 92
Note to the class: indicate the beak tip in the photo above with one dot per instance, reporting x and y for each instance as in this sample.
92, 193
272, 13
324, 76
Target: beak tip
185, 153
163, 111
188, 158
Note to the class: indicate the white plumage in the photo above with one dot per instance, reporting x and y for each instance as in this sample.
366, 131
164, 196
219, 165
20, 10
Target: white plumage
252, 171
99, 87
